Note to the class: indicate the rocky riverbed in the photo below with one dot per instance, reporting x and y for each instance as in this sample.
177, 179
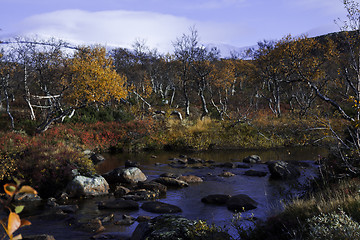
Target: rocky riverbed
130, 190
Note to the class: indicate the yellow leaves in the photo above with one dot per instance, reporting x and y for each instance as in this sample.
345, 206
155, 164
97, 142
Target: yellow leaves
94, 78
10, 189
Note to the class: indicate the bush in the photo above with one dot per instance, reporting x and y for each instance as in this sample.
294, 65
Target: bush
336, 225
49, 168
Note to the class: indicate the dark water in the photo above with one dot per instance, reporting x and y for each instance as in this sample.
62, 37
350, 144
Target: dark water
269, 194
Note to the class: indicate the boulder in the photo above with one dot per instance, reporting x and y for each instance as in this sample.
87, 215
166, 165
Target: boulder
254, 173
160, 207
166, 227
153, 186
218, 199
252, 159
87, 186
127, 175
93, 225
190, 179
241, 202
282, 170
171, 182
119, 204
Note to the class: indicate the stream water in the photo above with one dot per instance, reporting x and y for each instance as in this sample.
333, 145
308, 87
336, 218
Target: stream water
268, 193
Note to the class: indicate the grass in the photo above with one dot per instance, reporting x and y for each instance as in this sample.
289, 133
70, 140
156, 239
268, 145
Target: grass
294, 221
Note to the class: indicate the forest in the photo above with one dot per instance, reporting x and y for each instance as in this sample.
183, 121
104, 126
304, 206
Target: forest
58, 100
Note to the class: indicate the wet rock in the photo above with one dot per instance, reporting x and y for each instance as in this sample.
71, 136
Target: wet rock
119, 204
108, 219
243, 165
167, 227
160, 207
96, 158
27, 197
94, 226
171, 182
178, 163
39, 237
229, 165
190, 179
143, 218
254, 173
68, 208
226, 174
127, 175
241, 202
170, 175
87, 186
141, 194
218, 199
129, 164
282, 170
126, 220
153, 186
110, 235
121, 191
194, 160
252, 159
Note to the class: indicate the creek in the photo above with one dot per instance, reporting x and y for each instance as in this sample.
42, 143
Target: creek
270, 194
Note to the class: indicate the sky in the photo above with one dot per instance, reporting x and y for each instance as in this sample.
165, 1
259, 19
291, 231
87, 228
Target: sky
158, 23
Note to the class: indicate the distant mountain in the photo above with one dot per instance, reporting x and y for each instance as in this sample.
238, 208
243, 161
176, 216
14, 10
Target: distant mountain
227, 50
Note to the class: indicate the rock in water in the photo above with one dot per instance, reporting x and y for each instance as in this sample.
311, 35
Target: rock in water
240, 203
160, 207
252, 159
282, 170
127, 175
218, 199
87, 186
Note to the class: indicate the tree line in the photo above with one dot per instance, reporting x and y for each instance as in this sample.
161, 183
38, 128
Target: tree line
49, 80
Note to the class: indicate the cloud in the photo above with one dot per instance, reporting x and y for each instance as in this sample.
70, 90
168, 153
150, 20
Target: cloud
119, 28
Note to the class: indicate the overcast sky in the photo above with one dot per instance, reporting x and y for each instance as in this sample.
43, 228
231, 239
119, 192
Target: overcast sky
238, 23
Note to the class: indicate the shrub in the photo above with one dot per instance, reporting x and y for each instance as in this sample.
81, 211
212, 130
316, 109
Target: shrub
49, 168
336, 225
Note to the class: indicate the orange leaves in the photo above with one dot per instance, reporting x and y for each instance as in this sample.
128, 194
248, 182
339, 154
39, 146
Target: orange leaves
93, 78
14, 222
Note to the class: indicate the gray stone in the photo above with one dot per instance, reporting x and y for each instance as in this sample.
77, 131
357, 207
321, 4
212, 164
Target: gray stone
129, 164
171, 182
153, 186
87, 186
252, 159
281, 170
190, 179
127, 175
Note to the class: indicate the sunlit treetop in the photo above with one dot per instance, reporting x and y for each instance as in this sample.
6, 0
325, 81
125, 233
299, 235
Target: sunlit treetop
93, 78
